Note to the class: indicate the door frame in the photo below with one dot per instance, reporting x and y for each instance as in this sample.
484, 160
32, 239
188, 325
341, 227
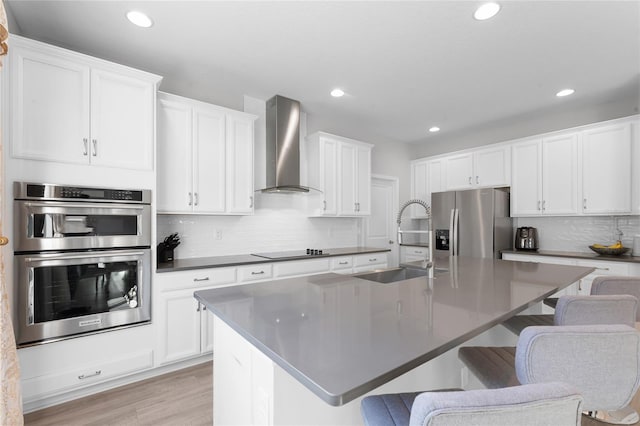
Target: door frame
394, 255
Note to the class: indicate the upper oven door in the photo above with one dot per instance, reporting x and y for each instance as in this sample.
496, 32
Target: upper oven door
54, 225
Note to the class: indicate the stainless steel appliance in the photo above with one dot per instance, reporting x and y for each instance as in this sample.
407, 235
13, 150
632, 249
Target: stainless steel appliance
82, 260
473, 223
526, 239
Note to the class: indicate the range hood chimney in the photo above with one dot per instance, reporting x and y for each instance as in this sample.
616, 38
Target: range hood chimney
283, 146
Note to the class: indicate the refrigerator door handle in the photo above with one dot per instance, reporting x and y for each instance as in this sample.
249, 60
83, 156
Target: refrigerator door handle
451, 228
456, 225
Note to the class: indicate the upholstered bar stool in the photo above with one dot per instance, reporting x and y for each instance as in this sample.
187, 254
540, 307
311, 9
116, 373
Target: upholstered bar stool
552, 404
615, 308
608, 285
601, 361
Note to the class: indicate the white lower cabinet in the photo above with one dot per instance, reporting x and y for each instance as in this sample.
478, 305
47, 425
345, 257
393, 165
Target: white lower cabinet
413, 253
184, 326
369, 262
583, 286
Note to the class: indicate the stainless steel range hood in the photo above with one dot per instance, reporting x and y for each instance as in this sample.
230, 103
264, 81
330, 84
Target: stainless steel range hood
283, 146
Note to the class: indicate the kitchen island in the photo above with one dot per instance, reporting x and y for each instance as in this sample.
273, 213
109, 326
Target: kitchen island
306, 350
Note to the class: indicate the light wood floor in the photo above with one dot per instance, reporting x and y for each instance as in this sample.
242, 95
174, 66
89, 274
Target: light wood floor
184, 397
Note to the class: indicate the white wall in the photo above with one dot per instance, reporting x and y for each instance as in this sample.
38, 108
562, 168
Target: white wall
576, 234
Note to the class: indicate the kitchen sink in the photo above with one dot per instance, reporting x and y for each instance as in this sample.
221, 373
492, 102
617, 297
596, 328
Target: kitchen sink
392, 275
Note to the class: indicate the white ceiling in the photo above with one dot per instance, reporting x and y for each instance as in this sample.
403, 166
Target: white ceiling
405, 66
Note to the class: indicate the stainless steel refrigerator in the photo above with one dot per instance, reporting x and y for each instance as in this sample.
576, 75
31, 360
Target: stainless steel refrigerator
473, 223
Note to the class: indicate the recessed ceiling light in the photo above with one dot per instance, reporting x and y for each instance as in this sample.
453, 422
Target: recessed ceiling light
565, 92
434, 129
336, 93
139, 19
486, 11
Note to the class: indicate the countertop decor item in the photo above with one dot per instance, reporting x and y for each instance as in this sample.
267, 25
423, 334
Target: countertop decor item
612, 250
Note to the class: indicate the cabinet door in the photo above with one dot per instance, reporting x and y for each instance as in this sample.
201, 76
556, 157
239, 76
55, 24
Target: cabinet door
329, 175
122, 121
209, 162
239, 164
49, 107
606, 170
363, 181
419, 188
526, 179
459, 171
174, 177
179, 325
347, 179
492, 167
560, 174
206, 330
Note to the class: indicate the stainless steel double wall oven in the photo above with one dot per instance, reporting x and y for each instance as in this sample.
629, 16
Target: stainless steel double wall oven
82, 260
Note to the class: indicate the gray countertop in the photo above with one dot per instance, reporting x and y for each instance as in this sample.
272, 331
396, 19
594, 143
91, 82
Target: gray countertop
576, 255
247, 259
342, 336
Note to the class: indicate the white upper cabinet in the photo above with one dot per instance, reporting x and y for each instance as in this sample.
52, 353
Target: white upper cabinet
426, 178
635, 169
545, 176
205, 158
459, 171
560, 175
341, 169
606, 169
240, 163
526, 178
70, 108
487, 167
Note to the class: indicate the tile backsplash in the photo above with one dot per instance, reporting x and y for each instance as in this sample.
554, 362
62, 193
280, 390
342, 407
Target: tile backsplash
275, 226
577, 233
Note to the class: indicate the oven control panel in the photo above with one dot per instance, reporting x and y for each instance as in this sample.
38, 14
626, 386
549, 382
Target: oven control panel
40, 191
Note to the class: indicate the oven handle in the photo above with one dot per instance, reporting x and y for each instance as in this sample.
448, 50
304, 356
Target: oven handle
85, 255
30, 318
102, 206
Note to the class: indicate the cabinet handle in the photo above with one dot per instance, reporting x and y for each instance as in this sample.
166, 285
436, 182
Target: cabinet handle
469, 180
373, 260
477, 179
539, 205
86, 146
195, 194
544, 205
355, 207
602, 269
198, 308
196, 280
579, 285
584, 204
257, 273
95, 147
86, 376
190, 199
324, 205
251, 202
343, 263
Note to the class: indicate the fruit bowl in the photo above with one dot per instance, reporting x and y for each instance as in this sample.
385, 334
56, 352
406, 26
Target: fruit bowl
610, 251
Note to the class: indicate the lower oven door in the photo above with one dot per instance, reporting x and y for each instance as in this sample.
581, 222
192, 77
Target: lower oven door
66, 294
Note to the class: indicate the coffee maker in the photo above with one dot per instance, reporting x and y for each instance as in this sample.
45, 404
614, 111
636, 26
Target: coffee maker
526, 239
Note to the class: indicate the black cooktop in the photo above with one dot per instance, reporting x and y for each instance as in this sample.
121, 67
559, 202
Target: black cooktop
293, 254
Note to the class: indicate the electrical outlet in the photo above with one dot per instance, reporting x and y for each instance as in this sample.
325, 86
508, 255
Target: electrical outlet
218, 234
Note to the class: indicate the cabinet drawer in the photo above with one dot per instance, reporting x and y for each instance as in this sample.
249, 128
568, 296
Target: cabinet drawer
89, 374
300, 267
370, 259
415, 251
339, 263
255, 273
197, 278
605, 268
